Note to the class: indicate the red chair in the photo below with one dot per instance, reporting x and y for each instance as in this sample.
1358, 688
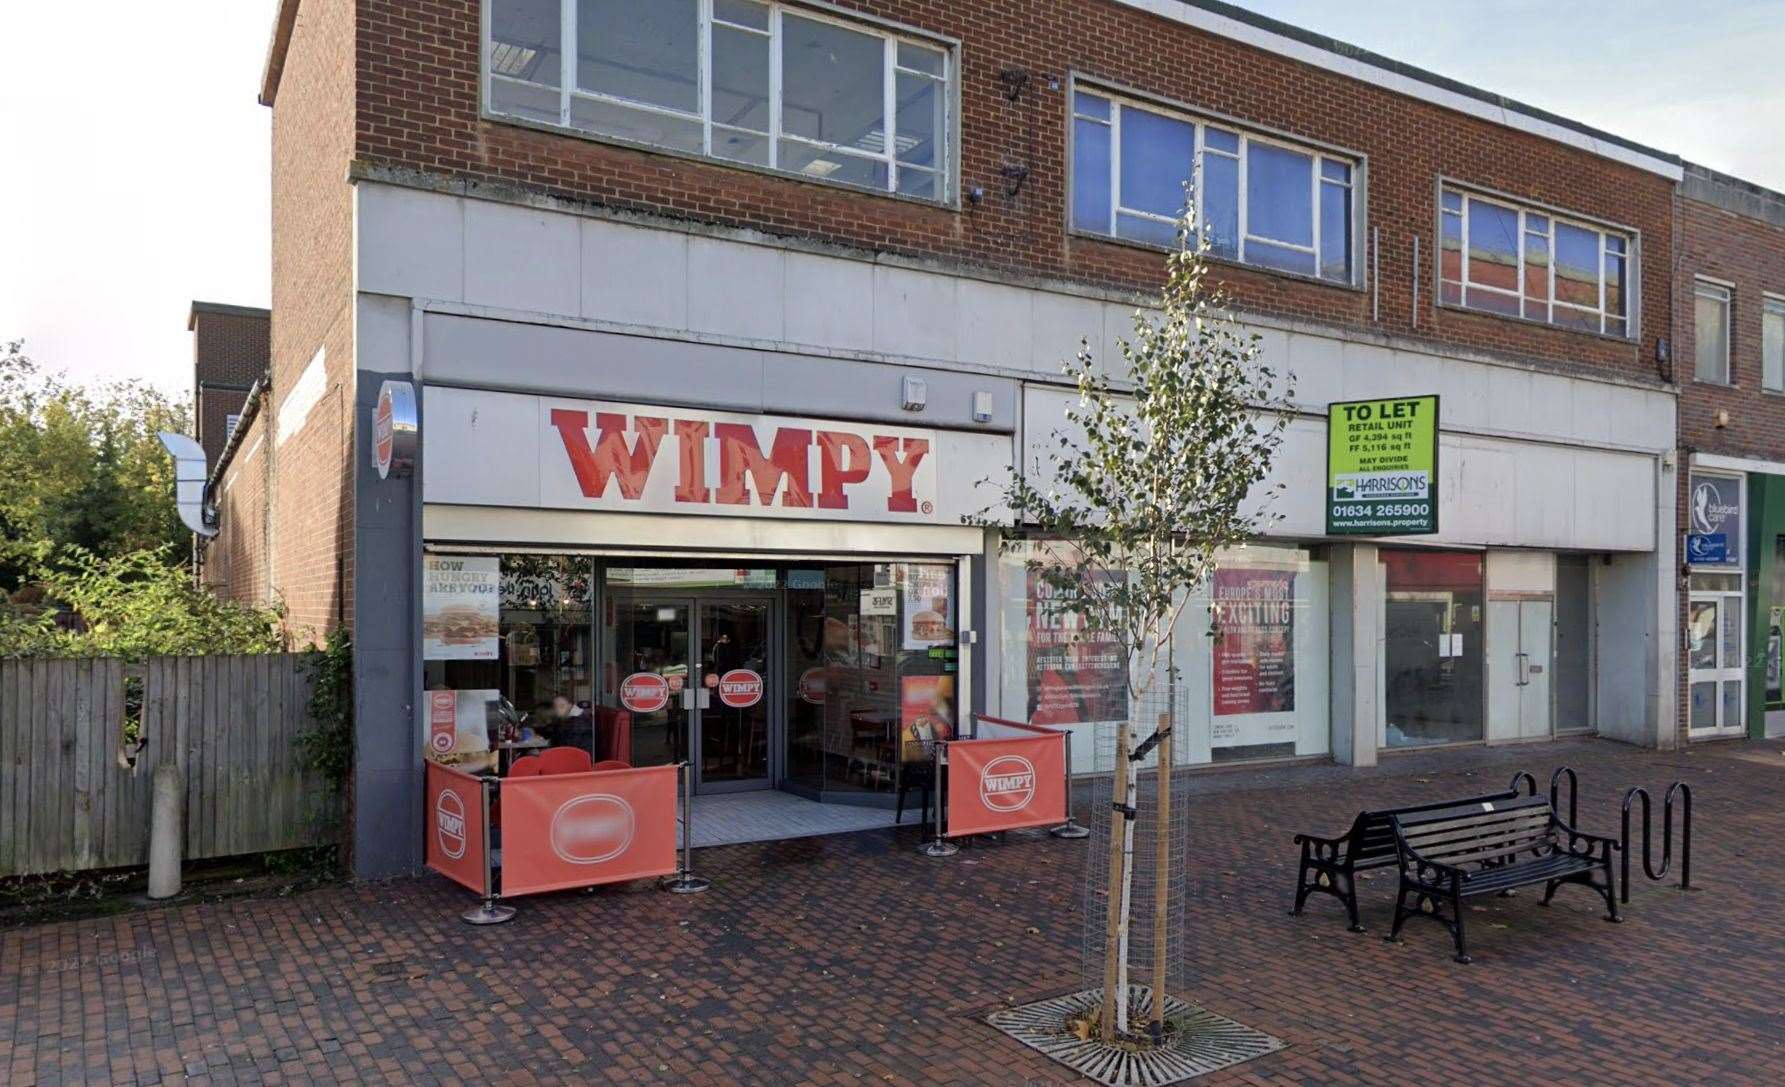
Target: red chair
616, 733
564, 760
527, 766
613, 764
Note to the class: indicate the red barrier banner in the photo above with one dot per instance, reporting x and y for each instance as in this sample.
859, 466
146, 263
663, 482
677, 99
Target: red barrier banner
577, 830
458, 841
1013, 781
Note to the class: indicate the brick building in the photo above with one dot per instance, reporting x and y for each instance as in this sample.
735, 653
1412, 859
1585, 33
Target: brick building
740, 230
229, 354
1730, 317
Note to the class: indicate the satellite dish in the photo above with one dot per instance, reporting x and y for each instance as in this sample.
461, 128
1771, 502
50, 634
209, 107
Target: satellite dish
190, 476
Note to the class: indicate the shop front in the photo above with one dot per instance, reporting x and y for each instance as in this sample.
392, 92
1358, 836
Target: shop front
1735, 550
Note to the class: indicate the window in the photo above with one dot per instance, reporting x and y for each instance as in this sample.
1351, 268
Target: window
1710, 327
1772, 345
739, 80
1263, 201
230, 422
1500, 258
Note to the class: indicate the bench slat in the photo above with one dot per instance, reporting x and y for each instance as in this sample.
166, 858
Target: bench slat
1436, 837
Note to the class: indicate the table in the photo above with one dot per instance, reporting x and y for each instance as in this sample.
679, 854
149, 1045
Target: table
506, 752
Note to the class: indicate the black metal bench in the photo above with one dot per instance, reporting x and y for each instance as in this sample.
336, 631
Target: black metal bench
1329, 865
1486, 847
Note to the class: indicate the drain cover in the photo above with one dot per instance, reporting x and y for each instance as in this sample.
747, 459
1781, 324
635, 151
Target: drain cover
1205, 1043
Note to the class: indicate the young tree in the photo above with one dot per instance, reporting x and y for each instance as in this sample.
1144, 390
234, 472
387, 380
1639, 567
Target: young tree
1154, 473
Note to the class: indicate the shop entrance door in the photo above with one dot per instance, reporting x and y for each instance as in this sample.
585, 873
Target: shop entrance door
1716, 657
1520, 638
736, 736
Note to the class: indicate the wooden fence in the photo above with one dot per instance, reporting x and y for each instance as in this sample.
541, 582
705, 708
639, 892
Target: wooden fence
72, 798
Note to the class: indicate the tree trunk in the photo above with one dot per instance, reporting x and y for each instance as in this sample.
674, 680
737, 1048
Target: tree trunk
1161, 878
1112, 950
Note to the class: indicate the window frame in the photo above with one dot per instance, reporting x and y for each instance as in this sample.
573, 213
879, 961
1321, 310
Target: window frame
1727, 289
889, 31
1247, 131
1556, 216
1772, 304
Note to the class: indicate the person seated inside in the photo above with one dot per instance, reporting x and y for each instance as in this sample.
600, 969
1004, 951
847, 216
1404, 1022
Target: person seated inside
574, 726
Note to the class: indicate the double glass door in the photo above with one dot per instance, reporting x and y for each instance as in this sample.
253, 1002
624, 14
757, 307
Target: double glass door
700, 685
1717, 659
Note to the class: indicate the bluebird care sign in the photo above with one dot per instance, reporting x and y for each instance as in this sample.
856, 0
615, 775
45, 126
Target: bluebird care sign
1382, 467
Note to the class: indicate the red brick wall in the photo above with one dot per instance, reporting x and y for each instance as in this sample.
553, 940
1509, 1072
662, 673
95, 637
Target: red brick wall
418, 109
229, 353
235, 560
311, 500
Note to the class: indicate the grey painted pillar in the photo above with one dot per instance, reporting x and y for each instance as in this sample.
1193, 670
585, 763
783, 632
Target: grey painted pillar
387, 769
1356, 653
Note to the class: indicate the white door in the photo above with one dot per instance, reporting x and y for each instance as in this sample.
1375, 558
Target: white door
1715, 656
1535, 627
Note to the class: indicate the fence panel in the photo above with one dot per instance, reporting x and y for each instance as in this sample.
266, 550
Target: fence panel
72, 798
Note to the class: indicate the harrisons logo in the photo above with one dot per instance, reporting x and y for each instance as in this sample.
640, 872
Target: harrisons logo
449, 823
1357, 486
1007, 784
592, 829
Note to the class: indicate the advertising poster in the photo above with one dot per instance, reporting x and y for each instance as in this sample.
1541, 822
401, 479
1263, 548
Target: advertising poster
1714, 520
929, 606
1074, 677
461, 607
926, 708
456, 728
1254, 648
1382, 467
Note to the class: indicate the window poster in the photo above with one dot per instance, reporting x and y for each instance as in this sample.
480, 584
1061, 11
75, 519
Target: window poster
926, 711
1074, 677
457, 728
1254, 649
929, 606
461, 607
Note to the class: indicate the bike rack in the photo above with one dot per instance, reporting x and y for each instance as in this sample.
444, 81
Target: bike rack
1524, 776
1555, 781
1648, 866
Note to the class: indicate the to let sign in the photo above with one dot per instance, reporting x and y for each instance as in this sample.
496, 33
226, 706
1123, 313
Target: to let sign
1382, 467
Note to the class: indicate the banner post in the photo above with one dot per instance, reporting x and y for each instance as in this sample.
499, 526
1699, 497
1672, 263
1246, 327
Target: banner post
489, 912
685, 882
1070, 828
938, 846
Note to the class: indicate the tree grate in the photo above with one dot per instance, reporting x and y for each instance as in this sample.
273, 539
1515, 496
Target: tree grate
1204, 1043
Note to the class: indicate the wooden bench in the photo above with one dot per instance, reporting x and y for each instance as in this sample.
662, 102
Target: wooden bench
1487, 847
1330, 865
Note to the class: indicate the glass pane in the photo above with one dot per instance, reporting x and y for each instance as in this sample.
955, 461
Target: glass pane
919, 122
1450, 250
1156, 155
1701, 634
733, 670
1331, 170
1577, 266
1614, 284
643, 126
1492, 301
1733, 717
1141, 229
833, 85
1572, 317
1219, 139
1432, 653
740, 79
920, 59
849, 169
738, 146
1710, 327
1451, 201
1090, 105
1704, 705
1772, 347
1279, 195
1493, 248
917, 181
742, 12
646, 676
644, 50
525, 41
1278, 256
1732, 632
1335, 232
1536, 271
525, 100
1221, 204
1090, 175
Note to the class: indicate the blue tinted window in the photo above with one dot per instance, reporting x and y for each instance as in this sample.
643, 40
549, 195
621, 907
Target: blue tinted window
1279, 194
1220, 203
1219, 139
1089, 105
1493, 246
1577, 266
1156, 155
1335, 232
1090, 175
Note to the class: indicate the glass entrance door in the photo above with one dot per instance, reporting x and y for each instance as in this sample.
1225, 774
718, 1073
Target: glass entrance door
1716, 657
733, 723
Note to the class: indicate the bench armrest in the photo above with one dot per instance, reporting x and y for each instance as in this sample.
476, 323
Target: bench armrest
1418, 868
1592, 841
1320, 850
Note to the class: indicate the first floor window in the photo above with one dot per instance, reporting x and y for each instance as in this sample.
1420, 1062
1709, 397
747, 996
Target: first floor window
1519, 262
1710, 326
1258, 200
1772, 345
740, 80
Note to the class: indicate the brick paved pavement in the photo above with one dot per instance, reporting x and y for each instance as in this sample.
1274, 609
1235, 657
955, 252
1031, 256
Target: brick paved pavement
852, 960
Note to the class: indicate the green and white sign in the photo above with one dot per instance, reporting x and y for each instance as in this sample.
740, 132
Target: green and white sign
1382, 467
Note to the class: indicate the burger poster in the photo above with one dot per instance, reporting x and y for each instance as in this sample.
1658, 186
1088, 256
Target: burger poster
461, 604
1075, 676
1254, 648
929, 606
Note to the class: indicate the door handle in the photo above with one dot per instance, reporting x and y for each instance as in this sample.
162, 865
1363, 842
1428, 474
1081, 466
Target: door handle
1524, 669
687, 698
703, 698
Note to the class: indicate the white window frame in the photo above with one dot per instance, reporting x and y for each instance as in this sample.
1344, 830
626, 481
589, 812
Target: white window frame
1772, 305
1718, 291
1548, 302
1199, 124
891, 35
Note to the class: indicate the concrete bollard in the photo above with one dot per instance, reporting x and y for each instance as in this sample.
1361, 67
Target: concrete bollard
165, 822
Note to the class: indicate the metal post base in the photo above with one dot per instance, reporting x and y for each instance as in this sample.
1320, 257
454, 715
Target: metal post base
939, 847
1070, 829
684, 883
488, 914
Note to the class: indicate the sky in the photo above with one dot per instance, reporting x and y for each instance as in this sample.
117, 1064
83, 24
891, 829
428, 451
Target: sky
134, 179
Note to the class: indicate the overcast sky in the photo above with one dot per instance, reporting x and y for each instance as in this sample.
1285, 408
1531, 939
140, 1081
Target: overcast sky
134, 176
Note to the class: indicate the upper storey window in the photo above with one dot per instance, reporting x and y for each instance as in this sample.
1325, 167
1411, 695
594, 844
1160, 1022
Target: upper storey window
1263, 201
756, 83
1519, 262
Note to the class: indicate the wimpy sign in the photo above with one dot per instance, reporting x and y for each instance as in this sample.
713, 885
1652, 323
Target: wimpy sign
662, 460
